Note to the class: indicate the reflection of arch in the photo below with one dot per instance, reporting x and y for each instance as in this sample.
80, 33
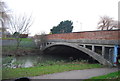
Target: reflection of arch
94, 55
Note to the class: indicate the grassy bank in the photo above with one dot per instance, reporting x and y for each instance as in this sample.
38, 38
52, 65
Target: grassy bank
115, 76
15, 38
25, 42
9, 73
27, 46
11, 51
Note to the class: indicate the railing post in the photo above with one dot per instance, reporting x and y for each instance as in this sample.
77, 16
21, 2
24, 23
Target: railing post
84, 46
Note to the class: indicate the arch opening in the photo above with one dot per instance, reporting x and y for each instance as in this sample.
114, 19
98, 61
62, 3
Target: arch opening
68, 53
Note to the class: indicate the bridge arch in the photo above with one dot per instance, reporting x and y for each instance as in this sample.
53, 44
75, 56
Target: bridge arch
94, 55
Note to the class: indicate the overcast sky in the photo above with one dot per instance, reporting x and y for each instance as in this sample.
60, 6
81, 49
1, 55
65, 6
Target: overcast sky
84, 14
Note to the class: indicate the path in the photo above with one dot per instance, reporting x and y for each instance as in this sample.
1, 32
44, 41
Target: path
77, 74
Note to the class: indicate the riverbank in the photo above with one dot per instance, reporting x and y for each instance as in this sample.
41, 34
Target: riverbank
9, 73
27, 47
11, 51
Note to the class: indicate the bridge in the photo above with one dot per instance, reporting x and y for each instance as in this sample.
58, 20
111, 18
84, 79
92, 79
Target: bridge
102, 46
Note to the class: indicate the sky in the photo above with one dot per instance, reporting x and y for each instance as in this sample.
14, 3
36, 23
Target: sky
85, 14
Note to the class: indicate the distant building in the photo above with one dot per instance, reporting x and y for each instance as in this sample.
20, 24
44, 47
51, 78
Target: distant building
23, 35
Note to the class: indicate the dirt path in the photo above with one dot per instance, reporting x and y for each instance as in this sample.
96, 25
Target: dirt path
77, 74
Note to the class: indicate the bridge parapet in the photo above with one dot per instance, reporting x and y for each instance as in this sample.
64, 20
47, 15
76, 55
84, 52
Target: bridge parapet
110, 37
87, 41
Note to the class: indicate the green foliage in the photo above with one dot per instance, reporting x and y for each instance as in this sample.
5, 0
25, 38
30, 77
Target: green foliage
16, 34
115, 76
63, 27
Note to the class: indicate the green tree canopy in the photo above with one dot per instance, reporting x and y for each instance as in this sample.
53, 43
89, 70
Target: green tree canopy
63, 27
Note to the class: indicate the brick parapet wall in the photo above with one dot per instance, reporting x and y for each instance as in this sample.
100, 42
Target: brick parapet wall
91, 35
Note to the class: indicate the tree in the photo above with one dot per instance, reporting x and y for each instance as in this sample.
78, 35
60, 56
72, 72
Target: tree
40, 39
19, 25
115, 25
107, 23
16, 35
63, 27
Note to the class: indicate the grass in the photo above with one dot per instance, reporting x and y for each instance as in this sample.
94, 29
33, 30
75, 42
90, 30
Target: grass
26, 44
7, 38
115, 76
13, 48
26, 39
6, 50
9, 73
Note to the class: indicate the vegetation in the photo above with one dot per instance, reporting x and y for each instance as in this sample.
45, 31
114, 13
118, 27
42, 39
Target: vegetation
115, 76
55, 67
63, 27
19, 25
107, 23
40, 39
27, 46
23, 39
24, 42
10, 51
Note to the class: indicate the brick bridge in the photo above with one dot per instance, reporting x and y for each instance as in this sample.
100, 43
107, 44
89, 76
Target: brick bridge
103, 46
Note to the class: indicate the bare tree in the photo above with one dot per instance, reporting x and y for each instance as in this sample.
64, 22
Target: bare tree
40, 39
115, 25
20, 25
106, 23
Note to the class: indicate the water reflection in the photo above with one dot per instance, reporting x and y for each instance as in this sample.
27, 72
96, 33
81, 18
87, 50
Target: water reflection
26, 61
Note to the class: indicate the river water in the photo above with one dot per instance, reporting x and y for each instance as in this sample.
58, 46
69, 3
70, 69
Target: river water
28, 60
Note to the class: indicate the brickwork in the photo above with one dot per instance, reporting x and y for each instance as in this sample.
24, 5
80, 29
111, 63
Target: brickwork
92, 35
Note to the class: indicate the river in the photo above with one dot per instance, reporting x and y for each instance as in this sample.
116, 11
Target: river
28, 60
